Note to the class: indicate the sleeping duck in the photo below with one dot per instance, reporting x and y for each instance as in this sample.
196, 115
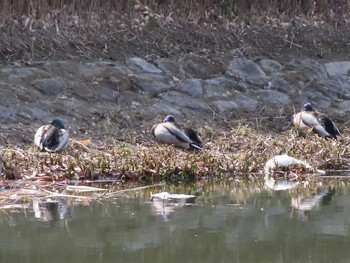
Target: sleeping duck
52, 137
319, 123
192, 134
169, 132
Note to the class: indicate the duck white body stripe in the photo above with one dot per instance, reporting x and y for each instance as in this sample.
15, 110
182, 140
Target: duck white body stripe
38, 138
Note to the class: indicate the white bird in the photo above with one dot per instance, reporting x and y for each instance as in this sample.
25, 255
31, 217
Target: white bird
287, 163
52, 137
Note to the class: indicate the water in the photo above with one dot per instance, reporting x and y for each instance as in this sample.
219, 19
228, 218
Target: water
229, 222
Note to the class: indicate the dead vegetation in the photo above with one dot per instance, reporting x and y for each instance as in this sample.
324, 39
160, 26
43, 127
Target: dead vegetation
227, 8
240, 152
114, 30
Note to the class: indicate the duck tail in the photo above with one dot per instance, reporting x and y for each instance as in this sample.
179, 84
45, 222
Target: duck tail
329, 126
195, 146
192, 134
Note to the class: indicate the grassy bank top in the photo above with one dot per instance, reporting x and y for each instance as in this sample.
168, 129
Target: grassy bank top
106, 29
209, 8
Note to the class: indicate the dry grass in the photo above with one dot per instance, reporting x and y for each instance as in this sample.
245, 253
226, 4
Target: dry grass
125, 14
180, 8
115, 30
240, 152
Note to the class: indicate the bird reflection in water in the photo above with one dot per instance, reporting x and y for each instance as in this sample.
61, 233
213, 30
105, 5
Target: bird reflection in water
164, 204
50, 209
304, 205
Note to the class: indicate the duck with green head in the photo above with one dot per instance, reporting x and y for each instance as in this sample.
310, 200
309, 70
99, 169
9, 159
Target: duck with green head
169, 132
52, 137
319, 123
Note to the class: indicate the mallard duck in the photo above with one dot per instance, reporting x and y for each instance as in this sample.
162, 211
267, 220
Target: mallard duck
52, 137
318, 122
192, 134
169, 132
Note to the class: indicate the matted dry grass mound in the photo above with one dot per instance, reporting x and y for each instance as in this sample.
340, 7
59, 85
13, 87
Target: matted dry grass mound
241, 151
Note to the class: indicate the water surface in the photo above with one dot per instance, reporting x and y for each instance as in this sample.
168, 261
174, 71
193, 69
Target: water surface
229, 222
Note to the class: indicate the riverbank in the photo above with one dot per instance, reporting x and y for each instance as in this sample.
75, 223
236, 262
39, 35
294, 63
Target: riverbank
237, 82
240, 152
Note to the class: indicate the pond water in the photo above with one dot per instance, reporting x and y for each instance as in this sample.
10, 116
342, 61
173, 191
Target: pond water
228, 222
